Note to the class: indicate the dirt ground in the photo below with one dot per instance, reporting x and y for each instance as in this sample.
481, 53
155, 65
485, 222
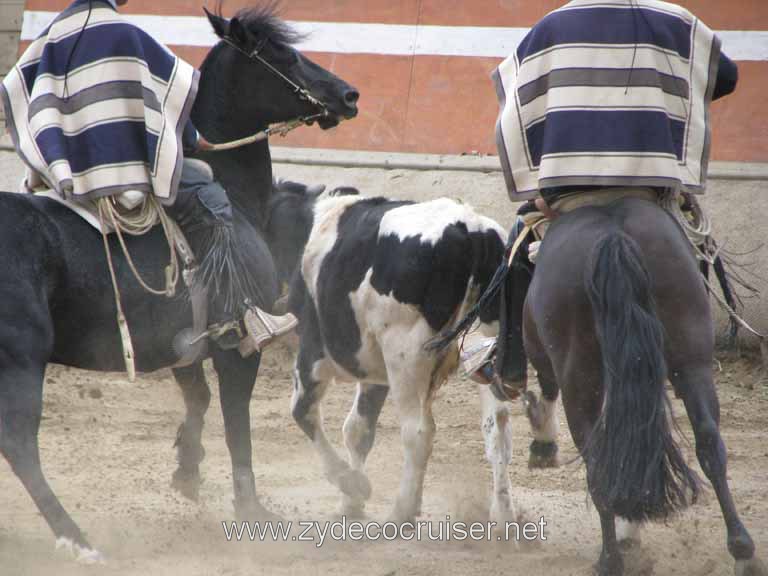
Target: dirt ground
107, 449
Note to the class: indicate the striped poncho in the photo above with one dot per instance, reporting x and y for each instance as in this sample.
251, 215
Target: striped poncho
608, 93
102, 112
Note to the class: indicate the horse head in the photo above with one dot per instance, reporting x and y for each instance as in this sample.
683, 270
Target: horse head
273, 82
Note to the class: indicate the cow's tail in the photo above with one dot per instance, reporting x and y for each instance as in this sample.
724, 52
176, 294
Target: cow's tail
489, 297
634, 465
443, 339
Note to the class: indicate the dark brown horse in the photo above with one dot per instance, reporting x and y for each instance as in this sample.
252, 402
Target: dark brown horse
616, 308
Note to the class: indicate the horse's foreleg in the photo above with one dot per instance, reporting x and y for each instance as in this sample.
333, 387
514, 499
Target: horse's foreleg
21, 407
497, 433
360, 433
189, 448
237, 377
697, 390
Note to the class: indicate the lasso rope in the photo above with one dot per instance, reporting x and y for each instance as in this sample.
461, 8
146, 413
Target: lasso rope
137, 223
696, 224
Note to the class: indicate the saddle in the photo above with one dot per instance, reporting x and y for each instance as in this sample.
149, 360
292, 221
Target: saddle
136, 213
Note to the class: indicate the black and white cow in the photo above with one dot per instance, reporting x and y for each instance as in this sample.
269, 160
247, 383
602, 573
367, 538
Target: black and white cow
377, 280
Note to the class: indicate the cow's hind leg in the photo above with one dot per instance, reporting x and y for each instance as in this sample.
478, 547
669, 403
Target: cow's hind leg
359, 435
410, 378
21, 407
189, 447
308, 392
497, 433
697, 390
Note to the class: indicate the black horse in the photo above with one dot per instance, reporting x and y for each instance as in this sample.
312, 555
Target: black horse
56, 299
615, 308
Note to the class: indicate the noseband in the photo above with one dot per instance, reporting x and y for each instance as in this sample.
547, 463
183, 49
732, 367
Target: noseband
281, 128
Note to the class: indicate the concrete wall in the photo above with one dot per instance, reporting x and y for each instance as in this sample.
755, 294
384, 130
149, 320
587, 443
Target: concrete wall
739, 213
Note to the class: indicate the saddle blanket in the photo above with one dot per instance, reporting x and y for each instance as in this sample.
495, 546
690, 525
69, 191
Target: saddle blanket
595, 71
96, 107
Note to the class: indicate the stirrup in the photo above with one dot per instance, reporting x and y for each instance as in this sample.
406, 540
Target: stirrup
262, 329
477, 358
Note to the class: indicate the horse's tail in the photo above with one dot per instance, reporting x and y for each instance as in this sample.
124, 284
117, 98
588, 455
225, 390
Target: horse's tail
634, 466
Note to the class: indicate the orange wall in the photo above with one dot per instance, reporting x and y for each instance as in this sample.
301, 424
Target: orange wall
447, 105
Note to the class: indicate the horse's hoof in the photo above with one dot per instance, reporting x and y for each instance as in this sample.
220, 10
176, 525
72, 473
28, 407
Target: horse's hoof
612, 565
80, 554
355, 484
543, 455
187, 484
752, 567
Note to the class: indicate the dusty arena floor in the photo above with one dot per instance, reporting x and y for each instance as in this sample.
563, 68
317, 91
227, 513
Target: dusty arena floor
107, 448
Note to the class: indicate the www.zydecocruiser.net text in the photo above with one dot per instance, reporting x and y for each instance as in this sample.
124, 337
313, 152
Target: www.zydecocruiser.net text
354, 531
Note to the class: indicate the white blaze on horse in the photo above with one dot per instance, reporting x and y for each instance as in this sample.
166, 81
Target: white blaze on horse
379, 279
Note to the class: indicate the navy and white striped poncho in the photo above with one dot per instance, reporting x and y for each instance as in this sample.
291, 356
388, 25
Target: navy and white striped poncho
118, 127
608, 93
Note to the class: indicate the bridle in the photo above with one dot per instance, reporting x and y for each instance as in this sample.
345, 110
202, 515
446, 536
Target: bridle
280, 128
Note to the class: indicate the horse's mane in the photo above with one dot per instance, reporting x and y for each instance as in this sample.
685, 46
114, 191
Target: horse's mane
263, 21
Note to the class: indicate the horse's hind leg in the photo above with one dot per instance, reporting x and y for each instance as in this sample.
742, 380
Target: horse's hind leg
359, 435
189, 448
21, 407
542, 413
696, 388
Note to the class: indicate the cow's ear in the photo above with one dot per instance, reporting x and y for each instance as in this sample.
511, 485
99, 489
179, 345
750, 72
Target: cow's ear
220, 25
316, 190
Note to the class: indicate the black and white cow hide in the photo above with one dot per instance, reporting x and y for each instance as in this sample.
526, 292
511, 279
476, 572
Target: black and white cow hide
376, 281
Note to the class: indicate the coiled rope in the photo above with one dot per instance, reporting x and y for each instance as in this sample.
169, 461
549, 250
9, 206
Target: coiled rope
136, 223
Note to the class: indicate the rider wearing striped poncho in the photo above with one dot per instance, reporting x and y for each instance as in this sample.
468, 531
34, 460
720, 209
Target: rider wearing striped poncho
96, 107
604, 94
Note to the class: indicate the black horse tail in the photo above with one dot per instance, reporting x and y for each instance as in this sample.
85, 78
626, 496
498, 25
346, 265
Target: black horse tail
634, 467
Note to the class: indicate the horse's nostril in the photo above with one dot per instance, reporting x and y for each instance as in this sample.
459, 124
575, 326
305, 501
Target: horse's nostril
351, 97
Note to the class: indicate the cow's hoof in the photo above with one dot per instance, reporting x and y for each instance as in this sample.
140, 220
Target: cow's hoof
80, 554
543, 455
355, 484
187, 484
752, 567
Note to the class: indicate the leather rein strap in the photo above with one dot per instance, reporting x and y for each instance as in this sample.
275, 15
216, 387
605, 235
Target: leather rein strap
281, 128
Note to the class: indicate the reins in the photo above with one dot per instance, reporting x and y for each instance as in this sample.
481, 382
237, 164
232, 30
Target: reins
280, 128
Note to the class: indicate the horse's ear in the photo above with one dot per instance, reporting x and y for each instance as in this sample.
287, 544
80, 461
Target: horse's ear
238, 32
220, 25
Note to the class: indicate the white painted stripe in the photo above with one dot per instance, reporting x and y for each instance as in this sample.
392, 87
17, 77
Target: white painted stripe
389, 39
